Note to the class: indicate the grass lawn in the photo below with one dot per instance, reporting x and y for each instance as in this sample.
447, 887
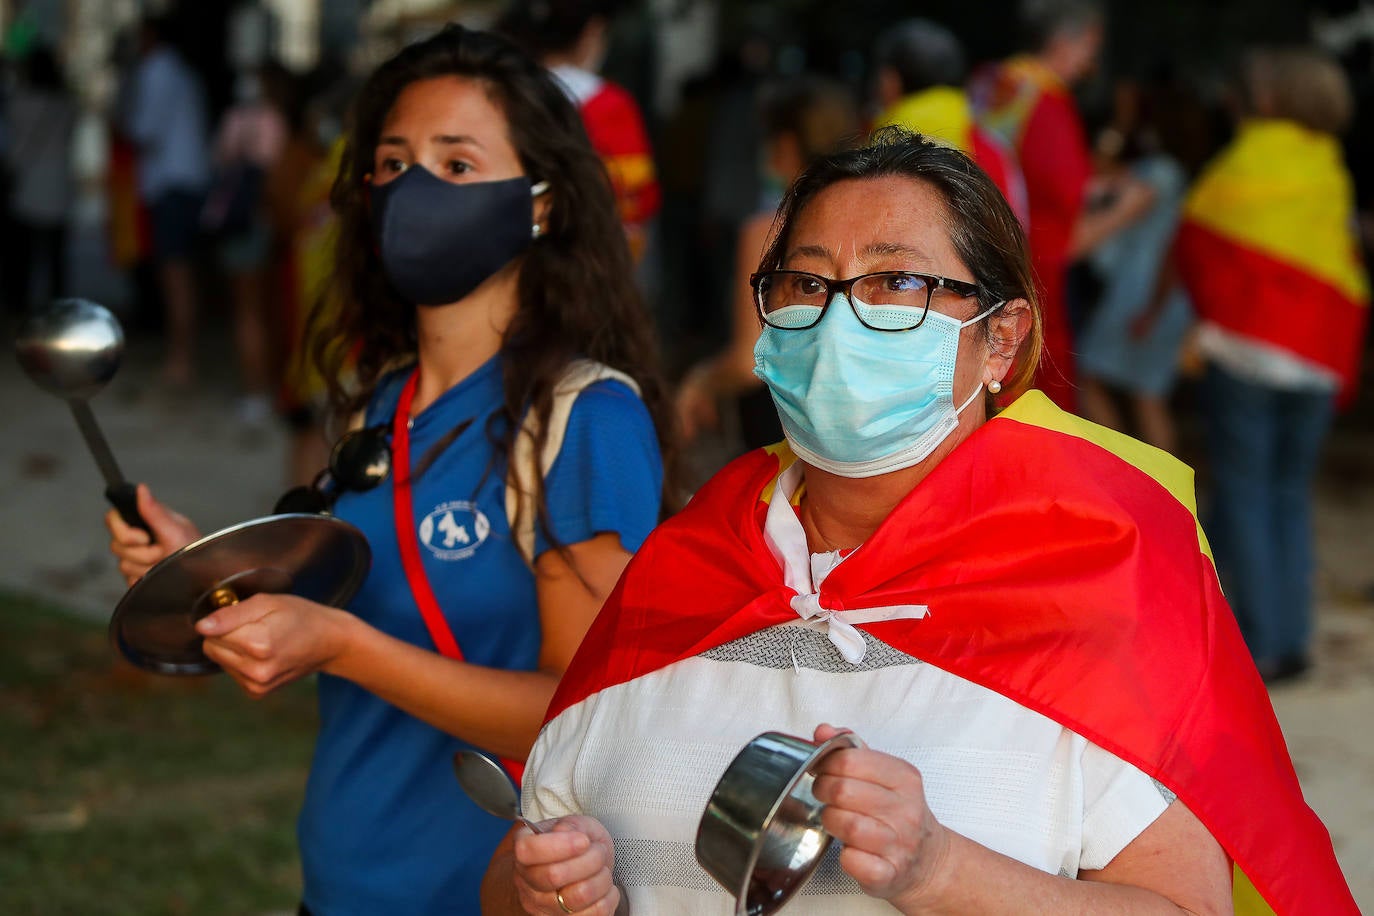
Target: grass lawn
133, 793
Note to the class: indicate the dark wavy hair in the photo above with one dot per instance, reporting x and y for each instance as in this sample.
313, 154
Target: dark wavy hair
553, 26
576, 291
817, 112
985, 233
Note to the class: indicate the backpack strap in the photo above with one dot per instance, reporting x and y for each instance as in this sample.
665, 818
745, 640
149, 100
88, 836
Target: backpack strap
521, 505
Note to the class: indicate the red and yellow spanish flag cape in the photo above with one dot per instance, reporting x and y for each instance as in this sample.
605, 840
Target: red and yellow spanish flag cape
946, 114
130, 227
1009, 95
1267, 246
1064, 567
941, 112
1031, 108
617, 132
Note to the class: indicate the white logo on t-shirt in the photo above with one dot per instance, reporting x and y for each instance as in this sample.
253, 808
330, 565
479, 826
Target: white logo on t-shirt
454, 530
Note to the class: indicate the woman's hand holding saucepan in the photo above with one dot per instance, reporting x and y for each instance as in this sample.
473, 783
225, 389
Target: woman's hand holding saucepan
267, 641
875, 804
264, 641
566, 869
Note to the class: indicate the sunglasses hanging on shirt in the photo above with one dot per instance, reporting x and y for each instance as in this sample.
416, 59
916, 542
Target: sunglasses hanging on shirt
359, 462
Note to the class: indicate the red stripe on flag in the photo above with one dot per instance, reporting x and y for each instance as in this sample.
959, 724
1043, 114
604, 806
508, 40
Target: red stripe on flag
1104, 616
721, 591
1261, 297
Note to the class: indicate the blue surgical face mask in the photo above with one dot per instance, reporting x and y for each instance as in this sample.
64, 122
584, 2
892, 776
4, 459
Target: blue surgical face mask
439, 241
858, 402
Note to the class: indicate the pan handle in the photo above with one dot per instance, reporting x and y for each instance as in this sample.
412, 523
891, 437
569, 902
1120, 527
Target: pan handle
124, 497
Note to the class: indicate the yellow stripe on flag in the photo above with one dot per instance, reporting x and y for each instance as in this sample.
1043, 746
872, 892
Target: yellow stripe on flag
942, 113
1245, 898
1035, 409
1029, 68
783, 452
1283, 190
630, 171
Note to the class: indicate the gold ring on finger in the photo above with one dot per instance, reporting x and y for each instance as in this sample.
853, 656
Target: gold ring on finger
562, 904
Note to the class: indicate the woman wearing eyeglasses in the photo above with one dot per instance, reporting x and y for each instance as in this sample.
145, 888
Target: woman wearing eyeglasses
481, 265
1016, 614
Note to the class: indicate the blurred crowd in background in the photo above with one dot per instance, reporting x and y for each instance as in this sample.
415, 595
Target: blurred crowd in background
174, 161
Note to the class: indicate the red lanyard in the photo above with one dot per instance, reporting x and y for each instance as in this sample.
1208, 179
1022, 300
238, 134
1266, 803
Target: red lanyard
407, 537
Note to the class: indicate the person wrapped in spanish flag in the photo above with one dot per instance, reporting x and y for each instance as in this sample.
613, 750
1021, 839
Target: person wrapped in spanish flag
1028, 101
1018, 614
1269, 254
571, 38
919, 84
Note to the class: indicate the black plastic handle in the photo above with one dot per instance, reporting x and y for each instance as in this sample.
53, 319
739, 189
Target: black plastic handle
124, 497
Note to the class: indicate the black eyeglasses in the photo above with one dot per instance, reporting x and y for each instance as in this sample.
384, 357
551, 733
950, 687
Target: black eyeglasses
359, 462
890, 300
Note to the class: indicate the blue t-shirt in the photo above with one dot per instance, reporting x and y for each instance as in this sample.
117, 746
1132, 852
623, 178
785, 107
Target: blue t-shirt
385, 827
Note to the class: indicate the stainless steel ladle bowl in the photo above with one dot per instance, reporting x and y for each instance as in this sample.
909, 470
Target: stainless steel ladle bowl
73, 349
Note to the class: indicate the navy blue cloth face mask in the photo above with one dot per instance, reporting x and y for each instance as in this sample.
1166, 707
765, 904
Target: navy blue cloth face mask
439, 240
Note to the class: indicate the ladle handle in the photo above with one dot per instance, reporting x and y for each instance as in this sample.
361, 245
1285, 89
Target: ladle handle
124, 497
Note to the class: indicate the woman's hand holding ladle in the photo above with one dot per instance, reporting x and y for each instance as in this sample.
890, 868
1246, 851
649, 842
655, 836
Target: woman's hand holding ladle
136, 550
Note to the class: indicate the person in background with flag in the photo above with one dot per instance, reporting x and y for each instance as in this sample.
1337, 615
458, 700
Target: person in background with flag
1269, 253
571, 38
1028, 102
1016, 613
919, 79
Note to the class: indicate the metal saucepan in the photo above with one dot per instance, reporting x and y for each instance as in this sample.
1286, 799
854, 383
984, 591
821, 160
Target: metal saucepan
760, 835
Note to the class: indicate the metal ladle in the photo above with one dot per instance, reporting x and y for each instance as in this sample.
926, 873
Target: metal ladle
72, 349
490, 787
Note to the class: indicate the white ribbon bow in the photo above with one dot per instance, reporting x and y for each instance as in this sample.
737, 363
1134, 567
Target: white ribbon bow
787, 541
841, 631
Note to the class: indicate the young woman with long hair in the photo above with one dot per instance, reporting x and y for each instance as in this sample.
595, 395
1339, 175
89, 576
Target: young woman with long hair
481, 275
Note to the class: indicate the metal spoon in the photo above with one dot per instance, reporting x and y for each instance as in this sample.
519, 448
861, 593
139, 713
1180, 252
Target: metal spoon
72, 349
490, 787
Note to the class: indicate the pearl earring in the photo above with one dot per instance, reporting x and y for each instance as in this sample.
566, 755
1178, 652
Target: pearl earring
994, 386
537, 231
